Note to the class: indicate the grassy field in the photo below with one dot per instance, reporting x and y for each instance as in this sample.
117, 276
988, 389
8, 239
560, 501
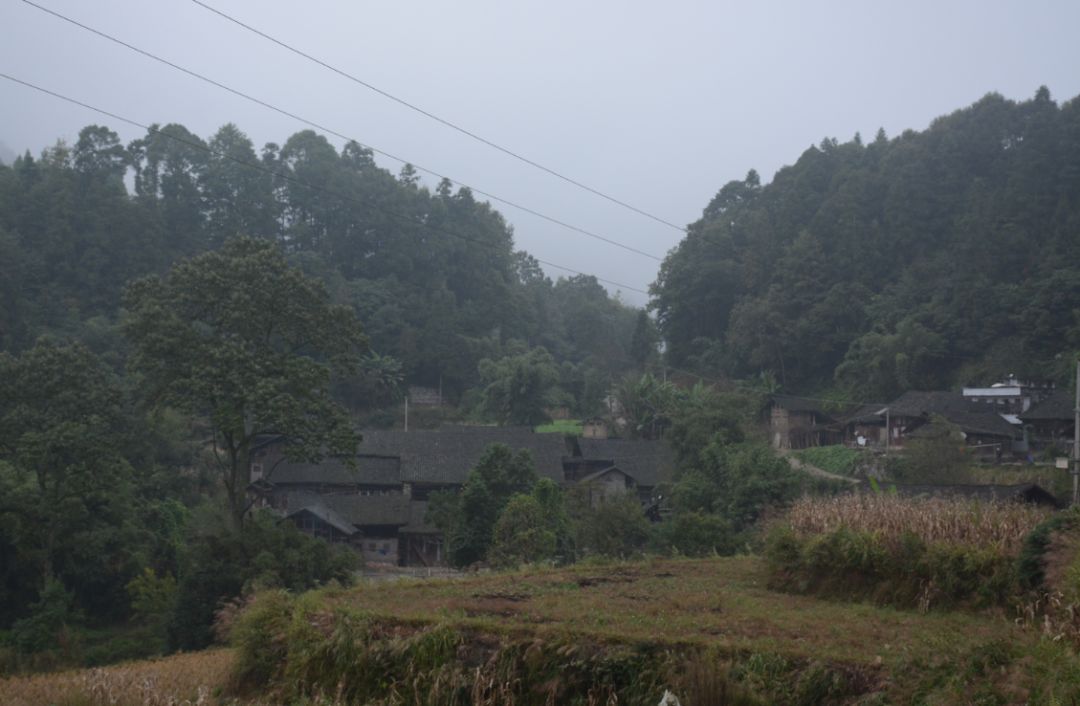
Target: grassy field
570, 427
834, 459
720, 607
709, 602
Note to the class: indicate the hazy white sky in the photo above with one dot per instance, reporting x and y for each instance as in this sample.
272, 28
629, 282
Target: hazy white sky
656, 103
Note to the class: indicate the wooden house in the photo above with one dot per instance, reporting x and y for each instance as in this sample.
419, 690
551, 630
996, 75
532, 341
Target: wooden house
981, 425
377, 501
800, 422
1051, 423
606, 485
864, 427
594, 428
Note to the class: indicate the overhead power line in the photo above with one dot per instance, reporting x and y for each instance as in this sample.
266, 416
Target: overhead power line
323, 128
288, 177
436, 118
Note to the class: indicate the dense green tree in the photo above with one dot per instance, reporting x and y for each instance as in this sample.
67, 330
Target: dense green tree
737, 482
467, 518
617, 528
647, 404
219, 564
936, 258
519, 388
65, 484
521, 534
247, 342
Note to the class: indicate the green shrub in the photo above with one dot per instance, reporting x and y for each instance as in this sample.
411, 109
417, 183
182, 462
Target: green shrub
903, 572
695, 534
1031, 563
260, 638
50, 623
219, 564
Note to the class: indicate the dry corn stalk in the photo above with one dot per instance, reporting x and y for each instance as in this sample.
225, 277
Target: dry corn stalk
991, 525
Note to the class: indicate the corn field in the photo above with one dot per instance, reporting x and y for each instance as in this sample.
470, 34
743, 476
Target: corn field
180, 680
992, 525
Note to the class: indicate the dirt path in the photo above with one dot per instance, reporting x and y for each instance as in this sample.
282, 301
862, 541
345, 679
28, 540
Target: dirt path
805, 467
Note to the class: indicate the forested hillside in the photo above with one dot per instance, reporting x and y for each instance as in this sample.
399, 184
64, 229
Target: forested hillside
926, 260
434, 277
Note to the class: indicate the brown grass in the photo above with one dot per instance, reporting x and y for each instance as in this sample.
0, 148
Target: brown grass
996, 525
182, 680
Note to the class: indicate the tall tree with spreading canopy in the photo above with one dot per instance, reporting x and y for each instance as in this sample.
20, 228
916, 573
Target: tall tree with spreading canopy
244, 340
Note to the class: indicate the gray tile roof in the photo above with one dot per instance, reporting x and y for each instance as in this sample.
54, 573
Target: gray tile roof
447, 456
793, 403
647, 462
357, 510
866, 414
418, 519
1056, 407
319, 509
370, 470
971, 417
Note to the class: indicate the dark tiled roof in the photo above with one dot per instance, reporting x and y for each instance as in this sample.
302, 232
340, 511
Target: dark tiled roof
418, 519
324, 513
971, 417
1056, 407
370, 470
647, 462
793, 403
358, 510
599, 474
866, 414
448, 456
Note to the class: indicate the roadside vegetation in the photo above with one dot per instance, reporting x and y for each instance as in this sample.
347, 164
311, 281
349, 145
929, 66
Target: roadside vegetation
836, 459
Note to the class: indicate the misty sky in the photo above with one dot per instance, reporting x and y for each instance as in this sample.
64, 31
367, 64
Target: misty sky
658, 104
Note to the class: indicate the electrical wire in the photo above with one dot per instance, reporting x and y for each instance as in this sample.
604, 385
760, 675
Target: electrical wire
436, 118
323, 128
290, 178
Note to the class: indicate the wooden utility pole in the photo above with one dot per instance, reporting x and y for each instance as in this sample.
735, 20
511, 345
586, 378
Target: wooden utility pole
888, 432
1076, 440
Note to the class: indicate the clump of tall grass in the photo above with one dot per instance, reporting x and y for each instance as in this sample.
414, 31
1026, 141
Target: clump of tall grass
994, 525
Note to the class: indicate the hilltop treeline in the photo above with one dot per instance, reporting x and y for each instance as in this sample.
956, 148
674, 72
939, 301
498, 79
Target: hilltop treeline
433, 276
930, 259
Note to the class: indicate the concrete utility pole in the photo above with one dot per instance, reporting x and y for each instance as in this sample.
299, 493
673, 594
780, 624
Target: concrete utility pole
406, 413
1076, 440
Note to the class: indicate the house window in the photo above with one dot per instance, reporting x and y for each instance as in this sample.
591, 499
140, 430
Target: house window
256, 471
371, 546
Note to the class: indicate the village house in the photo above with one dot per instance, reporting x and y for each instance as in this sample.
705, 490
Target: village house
1011, 397
800, 423
377, 501
982, 425
1051, 423
594, 428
